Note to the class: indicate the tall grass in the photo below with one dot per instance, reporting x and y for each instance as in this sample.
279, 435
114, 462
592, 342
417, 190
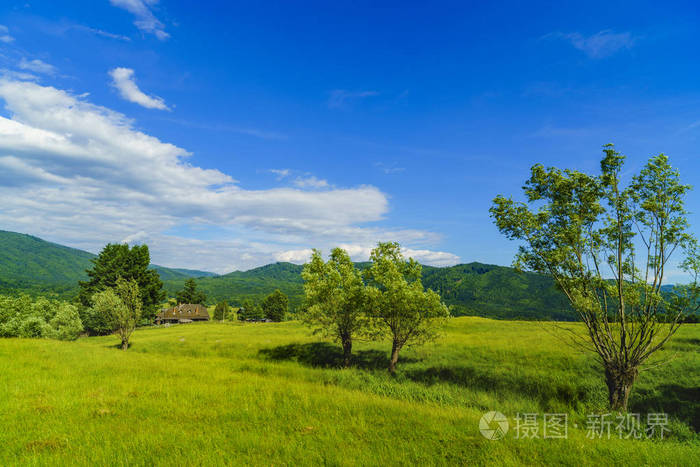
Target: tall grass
214, 394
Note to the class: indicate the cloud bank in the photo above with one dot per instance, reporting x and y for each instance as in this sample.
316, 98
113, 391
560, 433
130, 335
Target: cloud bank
81, 174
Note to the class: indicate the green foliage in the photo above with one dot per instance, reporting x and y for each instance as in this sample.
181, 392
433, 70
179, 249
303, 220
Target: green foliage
221, 311
336, 299
190, 294
250, 311
397, 300
121, 306
66, 322
275, 306
117, 261
607, 247
23, 317
498, 292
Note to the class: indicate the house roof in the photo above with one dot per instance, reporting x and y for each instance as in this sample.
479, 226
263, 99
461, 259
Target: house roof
184, 311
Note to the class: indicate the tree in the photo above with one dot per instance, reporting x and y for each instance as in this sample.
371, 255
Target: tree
275, 306
122, 307
250, 311
608, 248
220, 311
190, 294
398, 301
113, 262
336, 299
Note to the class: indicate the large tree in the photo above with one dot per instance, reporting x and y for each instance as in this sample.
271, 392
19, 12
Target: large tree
119, 261
275, 306
608, 249
336, 299
190, 293
398, 301
121, 307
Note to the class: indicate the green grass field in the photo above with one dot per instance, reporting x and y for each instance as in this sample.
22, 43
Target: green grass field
210, 394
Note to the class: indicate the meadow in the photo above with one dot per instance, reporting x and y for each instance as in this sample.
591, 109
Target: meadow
271, 393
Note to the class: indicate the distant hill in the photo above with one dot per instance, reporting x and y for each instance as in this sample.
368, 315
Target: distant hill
471, 289
254, 284
167, 274
36, 266
498, 292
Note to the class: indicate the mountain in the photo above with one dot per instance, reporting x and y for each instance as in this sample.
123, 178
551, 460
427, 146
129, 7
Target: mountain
498, 292
470, 289
167, 274
36, 266
254, 284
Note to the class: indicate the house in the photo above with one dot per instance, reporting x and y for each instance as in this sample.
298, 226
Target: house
183, 313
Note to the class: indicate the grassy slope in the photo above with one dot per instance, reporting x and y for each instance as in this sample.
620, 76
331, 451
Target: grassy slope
268, 394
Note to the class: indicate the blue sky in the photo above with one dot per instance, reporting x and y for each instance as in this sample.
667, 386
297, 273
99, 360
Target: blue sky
227, 135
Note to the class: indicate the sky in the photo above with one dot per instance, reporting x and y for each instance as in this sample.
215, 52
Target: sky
228, 135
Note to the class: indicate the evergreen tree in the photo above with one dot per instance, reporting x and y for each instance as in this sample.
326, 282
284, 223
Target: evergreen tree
190, 294
131, 264
221, 311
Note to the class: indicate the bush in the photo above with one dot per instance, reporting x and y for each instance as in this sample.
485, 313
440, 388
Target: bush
34, 326
42, 318
66, 324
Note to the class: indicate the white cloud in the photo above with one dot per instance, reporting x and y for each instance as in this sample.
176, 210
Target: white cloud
601, 44
123, 80
20, 75
80, 174
294, 256
37, 66
389, 169
339, 98
362, 252
5, 35
145, 19
281, 173
100, 32
310, 182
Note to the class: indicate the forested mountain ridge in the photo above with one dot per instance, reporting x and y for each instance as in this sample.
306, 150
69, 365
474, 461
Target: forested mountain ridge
32, 265
36, 266
470, 289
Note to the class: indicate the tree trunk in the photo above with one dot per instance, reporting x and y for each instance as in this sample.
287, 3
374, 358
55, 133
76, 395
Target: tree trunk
619, 385
347, 351
125, 344
395, 349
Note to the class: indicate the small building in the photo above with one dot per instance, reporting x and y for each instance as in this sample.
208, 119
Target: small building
183, 313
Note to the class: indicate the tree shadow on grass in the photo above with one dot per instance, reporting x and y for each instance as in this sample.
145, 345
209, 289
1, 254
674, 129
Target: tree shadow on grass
326, 355
678, 401
542, 390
